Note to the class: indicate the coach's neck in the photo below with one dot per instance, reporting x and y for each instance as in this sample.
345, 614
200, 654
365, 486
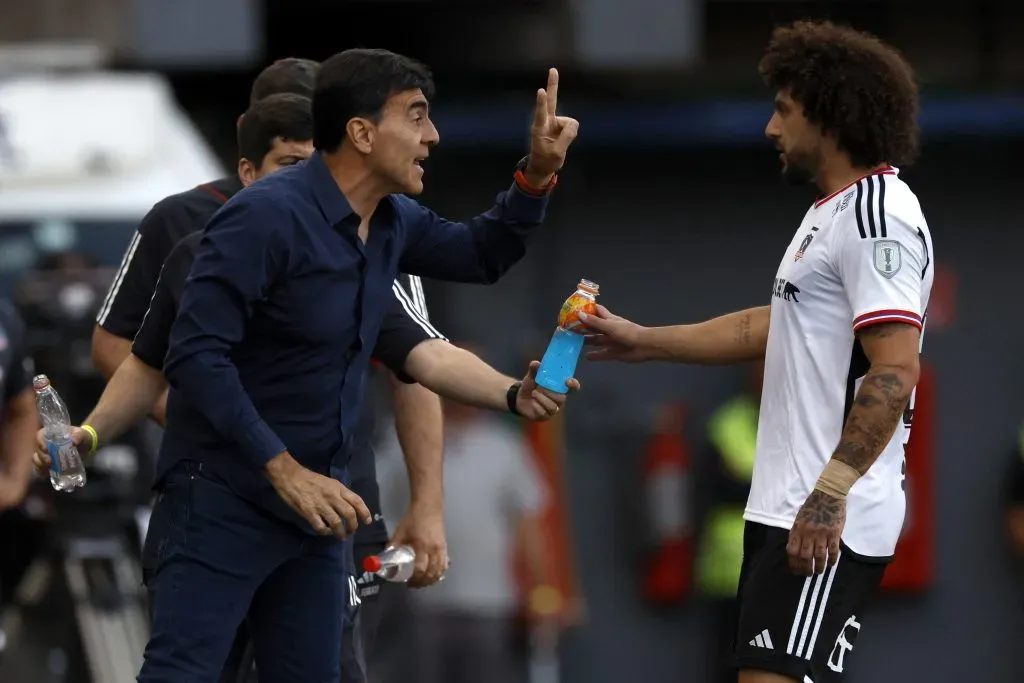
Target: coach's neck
363, 189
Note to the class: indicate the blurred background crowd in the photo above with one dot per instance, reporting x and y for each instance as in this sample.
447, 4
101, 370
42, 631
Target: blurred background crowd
631, 502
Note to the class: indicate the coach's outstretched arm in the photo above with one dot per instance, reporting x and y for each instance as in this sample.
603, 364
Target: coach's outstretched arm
462, 376
733, 338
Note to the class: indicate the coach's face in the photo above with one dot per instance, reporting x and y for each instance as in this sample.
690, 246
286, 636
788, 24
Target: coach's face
402, 140
796, 138
282, 153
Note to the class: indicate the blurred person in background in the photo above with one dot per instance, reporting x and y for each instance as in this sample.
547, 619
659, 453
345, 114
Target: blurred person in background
18, 423
1015, 500
841, 342
722, 492
18, 417
464, 627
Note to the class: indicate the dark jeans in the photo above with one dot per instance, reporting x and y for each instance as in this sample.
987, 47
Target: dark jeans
211, 559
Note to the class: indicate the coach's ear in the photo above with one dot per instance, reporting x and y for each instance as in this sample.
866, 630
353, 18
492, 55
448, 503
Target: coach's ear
361, 132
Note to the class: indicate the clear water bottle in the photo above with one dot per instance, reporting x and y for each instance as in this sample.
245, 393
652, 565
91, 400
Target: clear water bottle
395, 564
67, 471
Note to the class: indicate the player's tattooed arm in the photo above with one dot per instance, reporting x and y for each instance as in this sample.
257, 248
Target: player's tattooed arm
892, 350
736, 337
750, 331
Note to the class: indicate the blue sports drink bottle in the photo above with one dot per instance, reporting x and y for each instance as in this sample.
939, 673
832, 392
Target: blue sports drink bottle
563, 352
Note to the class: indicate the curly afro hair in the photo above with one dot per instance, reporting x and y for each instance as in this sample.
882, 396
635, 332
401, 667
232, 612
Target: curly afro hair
852, 85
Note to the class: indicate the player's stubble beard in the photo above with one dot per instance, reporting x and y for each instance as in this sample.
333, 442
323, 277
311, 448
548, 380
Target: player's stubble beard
799, 168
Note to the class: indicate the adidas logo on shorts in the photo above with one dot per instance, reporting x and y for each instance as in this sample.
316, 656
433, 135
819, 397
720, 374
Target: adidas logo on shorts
763, 639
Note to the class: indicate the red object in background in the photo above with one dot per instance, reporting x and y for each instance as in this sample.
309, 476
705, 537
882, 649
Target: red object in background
547, 446
942, 302
913, 568
667, 570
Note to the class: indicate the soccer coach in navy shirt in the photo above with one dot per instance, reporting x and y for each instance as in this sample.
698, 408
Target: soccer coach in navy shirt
268, 356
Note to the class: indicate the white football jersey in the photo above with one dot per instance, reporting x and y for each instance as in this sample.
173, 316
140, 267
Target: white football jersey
862, 255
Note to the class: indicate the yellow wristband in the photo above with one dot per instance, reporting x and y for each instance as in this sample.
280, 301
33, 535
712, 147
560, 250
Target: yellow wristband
837, 479
95, 438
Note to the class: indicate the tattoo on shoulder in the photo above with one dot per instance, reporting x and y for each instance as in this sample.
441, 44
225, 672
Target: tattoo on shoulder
743, 330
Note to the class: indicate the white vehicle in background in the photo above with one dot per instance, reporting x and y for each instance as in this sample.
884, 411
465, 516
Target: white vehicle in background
83, 157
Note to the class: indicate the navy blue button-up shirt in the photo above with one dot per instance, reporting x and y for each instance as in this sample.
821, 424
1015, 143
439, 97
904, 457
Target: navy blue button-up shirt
282, 309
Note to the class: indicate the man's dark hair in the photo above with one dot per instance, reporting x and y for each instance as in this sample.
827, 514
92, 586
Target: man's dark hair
852, 85
358, 82
289, 75
278, 116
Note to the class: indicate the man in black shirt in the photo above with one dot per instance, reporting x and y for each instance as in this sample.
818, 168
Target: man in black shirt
120, 316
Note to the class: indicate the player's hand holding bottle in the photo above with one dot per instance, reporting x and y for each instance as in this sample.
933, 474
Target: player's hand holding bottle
614, 338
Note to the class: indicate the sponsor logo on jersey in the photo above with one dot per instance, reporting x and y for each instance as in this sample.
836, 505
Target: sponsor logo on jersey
785, 290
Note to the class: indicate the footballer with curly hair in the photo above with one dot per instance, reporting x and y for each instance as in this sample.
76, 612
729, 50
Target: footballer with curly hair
841, 341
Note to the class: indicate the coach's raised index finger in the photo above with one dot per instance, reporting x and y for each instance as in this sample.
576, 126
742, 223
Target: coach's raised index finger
552, 91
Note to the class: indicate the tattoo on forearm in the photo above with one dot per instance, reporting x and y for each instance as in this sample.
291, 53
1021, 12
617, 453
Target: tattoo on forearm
743, 330
821, 509
876, 412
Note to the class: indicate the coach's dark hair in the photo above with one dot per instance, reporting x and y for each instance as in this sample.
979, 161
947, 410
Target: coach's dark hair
852, 85
278, 116
358, 82
289, 75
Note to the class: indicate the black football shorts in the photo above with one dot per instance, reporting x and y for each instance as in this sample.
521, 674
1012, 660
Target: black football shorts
804, 627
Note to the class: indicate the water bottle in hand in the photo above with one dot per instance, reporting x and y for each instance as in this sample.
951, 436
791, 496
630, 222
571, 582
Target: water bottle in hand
67, 471
395, 564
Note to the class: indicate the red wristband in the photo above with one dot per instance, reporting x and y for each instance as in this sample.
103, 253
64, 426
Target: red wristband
526, 187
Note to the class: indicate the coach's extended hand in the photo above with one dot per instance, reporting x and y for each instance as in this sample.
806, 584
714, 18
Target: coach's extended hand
550, 135
325, 503
537, 403
814, 539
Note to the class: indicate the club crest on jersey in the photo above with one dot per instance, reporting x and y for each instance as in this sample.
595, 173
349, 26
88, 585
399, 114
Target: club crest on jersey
804, 245
888, 258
